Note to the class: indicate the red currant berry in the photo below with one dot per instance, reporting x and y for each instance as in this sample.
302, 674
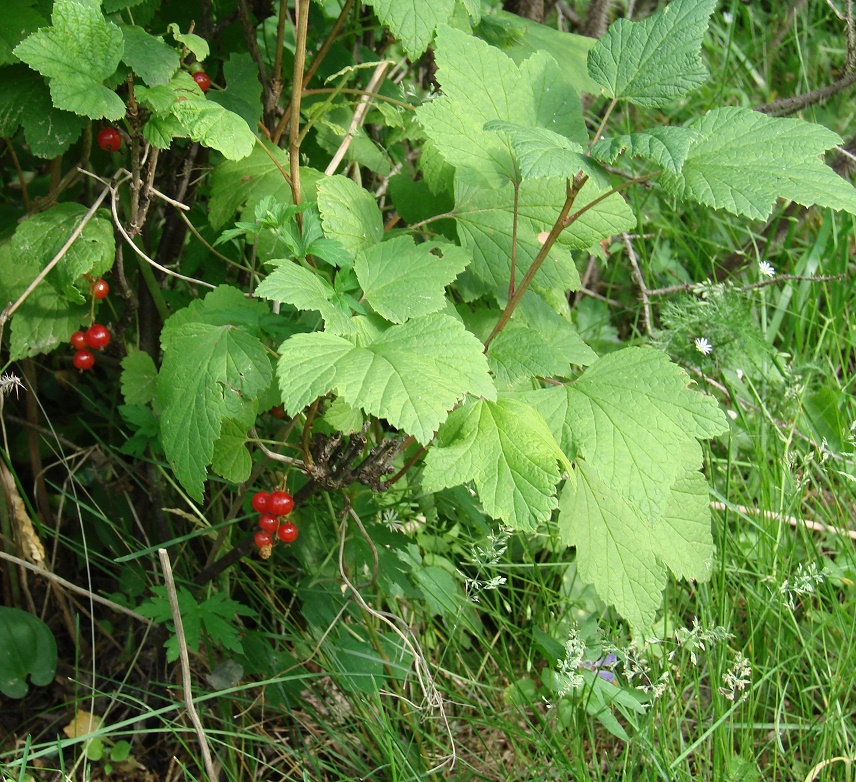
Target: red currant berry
277, 412
97, 336
100, 289
280, 503
260, 501
109, 139
83, 359
78, 340
263, 539
287, 532
203, 80
268, 523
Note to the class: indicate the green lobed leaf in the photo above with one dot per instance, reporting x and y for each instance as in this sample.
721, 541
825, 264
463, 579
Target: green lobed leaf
412, 374
413, 22
614, 549
243, 93
506, 449
139, 378
210, 124
667, 146
25, 100
402, 279
211, 371
743, 160
555, 329
481, 84
542, 153
654, 61
519, 352
40, 237
485, 219
149, 57
349, 213
636, 421
77, 53
18, 20
230, 459
197, 45
292, 284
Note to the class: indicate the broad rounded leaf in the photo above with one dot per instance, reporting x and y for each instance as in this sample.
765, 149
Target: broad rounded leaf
27, 648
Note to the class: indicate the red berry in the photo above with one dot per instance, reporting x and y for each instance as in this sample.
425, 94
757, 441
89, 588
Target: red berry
203, 80
78, 340
263, 539
99, 289
280, 503
83, 359
260, 501
109, 139
277, 412
97, 336
287, 532
268, 523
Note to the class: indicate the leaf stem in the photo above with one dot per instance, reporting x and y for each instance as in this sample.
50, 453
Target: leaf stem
573, 189
602, 125
515, 217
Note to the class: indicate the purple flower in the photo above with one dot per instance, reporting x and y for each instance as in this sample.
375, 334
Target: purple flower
603, 663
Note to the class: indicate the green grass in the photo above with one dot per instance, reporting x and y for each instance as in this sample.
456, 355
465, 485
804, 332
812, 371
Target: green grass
327, 690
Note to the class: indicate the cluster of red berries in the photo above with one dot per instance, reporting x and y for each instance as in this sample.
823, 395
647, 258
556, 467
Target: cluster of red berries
96, 337
272, 506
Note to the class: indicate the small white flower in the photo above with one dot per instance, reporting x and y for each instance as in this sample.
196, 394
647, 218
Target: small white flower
703, 346
766, 269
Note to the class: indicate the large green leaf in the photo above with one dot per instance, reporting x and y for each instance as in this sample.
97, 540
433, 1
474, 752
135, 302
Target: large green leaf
481, 84
243, 93
27, 648
412, 374
149, 57
213, 368
485, 220
506, 449
40, 237
654, 61
210, 124
742, 161
519, 352
349, 213
17, 21
413, 21
667, 147
25, 100
402, 279
636, 421
77, 54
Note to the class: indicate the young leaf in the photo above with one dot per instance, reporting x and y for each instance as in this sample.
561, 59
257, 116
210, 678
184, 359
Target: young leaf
413, 21
667, 146
402, 279
743, 160
289, 282
139, 378
349, 214
633, 433
197, 45
656, 60
507, 450
412, 374
77, 54
480, 84
542, 153
149, 57
210, 124
519, 352
209, 373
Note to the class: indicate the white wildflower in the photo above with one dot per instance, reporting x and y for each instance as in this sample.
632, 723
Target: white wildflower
766, 269
703, 346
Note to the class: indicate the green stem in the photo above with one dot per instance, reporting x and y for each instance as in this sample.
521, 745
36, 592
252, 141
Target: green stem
154, 290
603, 121
302, 11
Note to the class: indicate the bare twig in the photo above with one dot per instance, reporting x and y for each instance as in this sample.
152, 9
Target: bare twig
74, 588
169, 583
301, 11
640, 281
816, 526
